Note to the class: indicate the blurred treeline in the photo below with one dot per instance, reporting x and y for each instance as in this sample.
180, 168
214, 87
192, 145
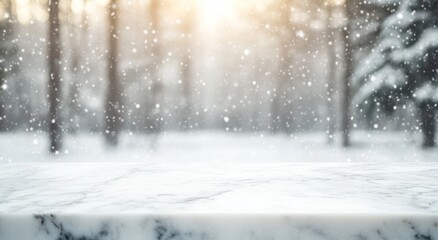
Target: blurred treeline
280, 66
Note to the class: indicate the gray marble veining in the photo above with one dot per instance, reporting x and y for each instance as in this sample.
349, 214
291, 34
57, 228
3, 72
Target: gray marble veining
218, 188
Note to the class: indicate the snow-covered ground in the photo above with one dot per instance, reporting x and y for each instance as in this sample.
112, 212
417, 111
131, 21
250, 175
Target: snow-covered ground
217, 147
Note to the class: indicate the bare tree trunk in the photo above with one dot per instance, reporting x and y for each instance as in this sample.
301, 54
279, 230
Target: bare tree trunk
331, 76
6, 35
346, 91
427, 123
3, 117
55, 109
154, 116
3, 101
113, 102
3, 125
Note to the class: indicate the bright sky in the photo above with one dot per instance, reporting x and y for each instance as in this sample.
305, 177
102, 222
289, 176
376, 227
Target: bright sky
212, 11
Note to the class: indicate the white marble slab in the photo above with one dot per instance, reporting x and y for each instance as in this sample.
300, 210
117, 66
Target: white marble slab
221, 227
29, 188
218, 201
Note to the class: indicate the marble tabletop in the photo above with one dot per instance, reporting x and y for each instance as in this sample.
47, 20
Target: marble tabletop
208, 188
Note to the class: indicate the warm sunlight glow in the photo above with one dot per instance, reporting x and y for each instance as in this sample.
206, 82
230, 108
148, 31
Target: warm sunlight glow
216, 10
77, 6
24, 11
40, 13
336, 2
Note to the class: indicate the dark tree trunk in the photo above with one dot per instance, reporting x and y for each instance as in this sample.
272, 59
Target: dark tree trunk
55, 109
331, 76
3, 125
346, 91
6, 29
113, 102
427, 123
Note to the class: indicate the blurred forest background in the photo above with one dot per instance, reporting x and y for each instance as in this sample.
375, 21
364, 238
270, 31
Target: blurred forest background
252, 66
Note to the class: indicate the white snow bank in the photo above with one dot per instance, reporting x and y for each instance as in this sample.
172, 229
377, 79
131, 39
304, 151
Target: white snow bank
218, 147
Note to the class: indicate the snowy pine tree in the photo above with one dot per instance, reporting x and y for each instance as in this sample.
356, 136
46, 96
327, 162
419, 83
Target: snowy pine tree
402, 67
